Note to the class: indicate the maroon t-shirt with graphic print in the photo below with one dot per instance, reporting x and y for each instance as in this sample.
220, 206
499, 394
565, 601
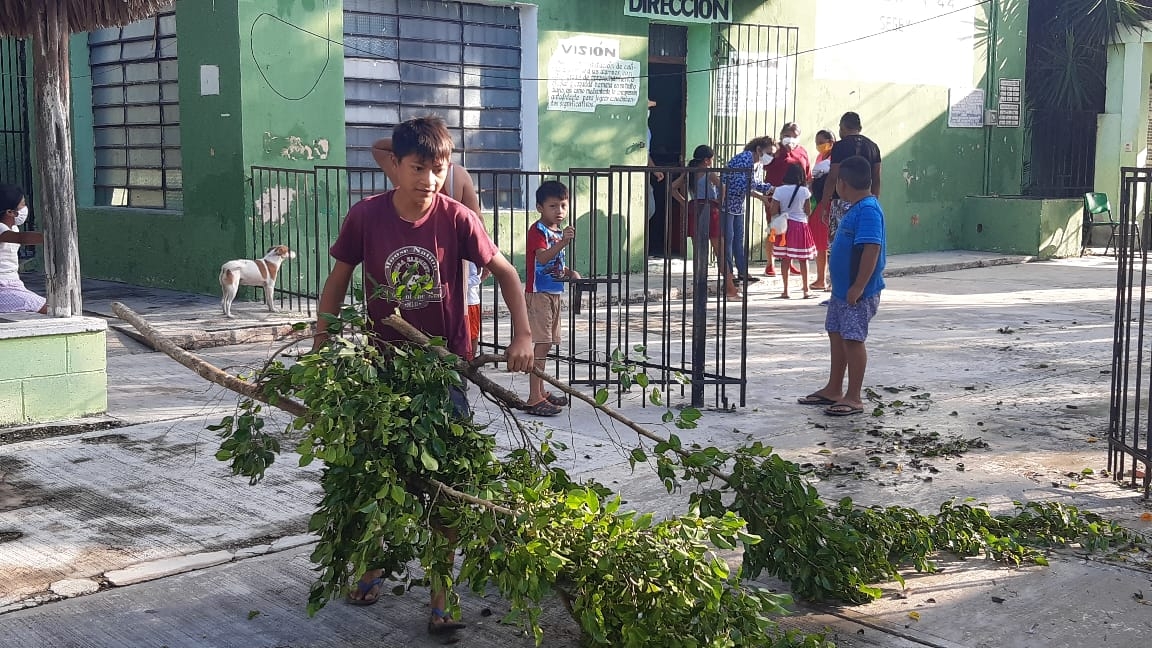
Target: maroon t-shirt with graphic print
389, 246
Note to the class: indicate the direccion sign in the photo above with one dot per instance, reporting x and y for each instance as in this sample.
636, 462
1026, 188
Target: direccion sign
702, 11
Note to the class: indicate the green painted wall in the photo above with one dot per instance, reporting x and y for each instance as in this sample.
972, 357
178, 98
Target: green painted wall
1044, 228
928, 168
282, 100
177, 249
37, 369
292, 71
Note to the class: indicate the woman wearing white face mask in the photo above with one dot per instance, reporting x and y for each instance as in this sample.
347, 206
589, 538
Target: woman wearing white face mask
738, 187
14, 297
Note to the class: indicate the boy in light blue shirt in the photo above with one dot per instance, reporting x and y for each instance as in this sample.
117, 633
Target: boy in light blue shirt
856, 265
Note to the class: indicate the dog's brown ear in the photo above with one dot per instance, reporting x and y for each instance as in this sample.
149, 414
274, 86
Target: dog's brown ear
281, 250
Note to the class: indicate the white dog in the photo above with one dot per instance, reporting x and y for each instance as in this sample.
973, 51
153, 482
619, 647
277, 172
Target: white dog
248, 272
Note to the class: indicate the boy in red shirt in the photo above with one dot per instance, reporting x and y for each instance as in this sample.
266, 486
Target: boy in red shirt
416, 230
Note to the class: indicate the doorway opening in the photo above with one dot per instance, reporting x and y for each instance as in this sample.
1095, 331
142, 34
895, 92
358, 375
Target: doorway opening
668, 87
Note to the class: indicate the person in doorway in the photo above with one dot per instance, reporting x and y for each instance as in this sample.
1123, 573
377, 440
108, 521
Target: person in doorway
705, 192
414, 228
856, 264
458, 186
739, 184
14, 296
546, 271
788, 152
656, 244
791, 198
851, 143
818, 222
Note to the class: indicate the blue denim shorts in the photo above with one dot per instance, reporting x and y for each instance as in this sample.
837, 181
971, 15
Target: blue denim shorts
851, 320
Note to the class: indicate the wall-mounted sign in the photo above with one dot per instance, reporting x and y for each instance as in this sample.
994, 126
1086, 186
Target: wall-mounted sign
910, 42
587, 71
965, 108
752, 82
696, 11
1010, 102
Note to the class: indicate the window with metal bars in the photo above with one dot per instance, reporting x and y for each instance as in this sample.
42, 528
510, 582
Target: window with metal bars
461, 61
136, 114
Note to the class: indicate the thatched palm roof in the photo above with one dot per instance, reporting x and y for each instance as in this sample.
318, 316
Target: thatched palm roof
18, 17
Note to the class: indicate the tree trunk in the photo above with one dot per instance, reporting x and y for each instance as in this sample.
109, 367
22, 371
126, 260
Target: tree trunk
57, 198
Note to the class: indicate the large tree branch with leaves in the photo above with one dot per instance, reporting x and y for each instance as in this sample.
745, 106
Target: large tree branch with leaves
398, 463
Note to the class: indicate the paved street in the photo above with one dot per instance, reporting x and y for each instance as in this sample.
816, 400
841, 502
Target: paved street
1016, 355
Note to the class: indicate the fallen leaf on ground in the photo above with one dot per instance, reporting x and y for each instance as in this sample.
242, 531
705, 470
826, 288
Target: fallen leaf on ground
915, 616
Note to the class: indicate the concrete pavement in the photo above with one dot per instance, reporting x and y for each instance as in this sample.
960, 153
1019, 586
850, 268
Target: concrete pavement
1014, 354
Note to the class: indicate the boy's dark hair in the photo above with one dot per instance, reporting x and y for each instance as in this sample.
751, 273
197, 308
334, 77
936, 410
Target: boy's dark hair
826, 134
10, 197
426, 137
703, 152
851, 121
794, 175
551, 189
759, 143
856, 172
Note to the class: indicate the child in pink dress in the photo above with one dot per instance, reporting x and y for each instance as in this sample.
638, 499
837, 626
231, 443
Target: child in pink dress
792, 200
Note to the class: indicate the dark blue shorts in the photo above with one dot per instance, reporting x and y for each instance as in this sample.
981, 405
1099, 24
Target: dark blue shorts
851, 320
459, 398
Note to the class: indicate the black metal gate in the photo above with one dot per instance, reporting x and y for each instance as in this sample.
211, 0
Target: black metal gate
753, 94
1130, 414
669, 317
15, 144
753, 83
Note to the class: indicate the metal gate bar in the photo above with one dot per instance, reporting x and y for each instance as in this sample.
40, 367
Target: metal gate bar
1130, 411
15, 143
672, 309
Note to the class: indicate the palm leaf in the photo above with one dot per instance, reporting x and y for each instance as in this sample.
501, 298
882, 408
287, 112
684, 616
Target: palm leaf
18, 17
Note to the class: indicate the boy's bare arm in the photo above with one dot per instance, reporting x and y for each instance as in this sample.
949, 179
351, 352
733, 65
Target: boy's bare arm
830, 185
869, 257
331, 299
382, 153
22, 238
468, 196
876, 179
677, 188
545, 255
520, 355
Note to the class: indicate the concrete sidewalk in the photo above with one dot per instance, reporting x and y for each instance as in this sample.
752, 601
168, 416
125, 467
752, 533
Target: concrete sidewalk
195, 321
1015, 355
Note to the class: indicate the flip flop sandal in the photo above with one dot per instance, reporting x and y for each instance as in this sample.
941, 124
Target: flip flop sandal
362, 589
815, 399
840, 409
543, 408
558, 401
446, 625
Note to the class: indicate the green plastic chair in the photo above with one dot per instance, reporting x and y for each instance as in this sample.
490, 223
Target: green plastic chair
1096, 206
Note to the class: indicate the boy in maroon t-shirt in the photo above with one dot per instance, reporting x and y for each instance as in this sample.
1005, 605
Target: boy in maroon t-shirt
415, 231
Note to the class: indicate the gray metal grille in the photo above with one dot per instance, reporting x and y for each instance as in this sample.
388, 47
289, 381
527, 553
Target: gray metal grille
15, 145
136, 114
409, 58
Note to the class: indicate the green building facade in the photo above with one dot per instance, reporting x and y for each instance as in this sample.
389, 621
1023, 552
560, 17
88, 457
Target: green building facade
175, 117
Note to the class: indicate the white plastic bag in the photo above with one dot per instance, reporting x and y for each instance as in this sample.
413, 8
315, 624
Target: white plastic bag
779, 224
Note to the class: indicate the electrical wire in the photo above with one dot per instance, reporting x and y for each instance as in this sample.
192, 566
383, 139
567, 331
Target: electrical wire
455, 68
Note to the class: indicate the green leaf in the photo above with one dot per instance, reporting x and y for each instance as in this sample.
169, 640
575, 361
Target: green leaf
430, 463
601, 396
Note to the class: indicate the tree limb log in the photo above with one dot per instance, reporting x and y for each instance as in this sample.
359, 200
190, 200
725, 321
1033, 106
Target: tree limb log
215, 375
471, 371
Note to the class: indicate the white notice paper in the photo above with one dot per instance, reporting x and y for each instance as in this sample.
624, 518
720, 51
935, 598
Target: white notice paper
965, 108
587, 71
209, 80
